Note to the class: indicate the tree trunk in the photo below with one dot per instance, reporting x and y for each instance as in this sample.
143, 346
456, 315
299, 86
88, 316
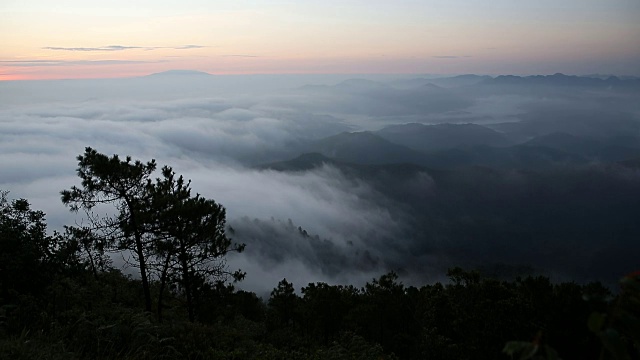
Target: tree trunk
163, 281
93, 265
143, 273
186, 282
139, 252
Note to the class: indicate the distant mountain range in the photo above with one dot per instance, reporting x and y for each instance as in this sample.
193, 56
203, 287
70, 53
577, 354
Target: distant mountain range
364, 148
562, 81
174, 73
450, 146
429, 138
434, 84
590, 148
460, 80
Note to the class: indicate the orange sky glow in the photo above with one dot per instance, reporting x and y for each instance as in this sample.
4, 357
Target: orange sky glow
76, 39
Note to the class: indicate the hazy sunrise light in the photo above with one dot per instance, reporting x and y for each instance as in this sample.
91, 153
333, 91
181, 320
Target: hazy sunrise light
42, 39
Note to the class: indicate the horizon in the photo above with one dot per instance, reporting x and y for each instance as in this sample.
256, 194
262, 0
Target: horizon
354, 75
75, 40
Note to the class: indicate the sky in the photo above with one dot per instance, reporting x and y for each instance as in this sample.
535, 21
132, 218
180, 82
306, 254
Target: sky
43, 39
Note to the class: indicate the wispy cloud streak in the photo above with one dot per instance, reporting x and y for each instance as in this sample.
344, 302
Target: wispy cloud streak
450, 56
240, 55
34, 63
121, 48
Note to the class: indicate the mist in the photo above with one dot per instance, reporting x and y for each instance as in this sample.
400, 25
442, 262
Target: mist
412, 174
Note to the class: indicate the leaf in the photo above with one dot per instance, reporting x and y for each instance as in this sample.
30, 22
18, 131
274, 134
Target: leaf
526, 349
596, 321
613, 342
630, 284
552, 354
631, 325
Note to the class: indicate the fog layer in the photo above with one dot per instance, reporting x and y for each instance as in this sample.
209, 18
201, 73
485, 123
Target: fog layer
386, 190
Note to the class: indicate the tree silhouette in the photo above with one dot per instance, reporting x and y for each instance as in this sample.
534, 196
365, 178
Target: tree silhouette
158, 221
123, 184
29, 257
283, 304
192, 241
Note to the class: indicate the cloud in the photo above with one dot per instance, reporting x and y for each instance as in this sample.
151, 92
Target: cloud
320, 218
39, 63
240, 55
121, 48
450, 56
186, 47
29, 63
102, 48
328, 224
205, 139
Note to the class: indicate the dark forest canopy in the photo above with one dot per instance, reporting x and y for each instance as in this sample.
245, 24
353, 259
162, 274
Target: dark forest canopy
60, 297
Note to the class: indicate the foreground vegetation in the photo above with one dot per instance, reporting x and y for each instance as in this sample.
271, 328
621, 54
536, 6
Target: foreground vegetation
60, 298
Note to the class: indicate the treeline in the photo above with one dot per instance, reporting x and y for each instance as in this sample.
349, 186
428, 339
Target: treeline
61, 298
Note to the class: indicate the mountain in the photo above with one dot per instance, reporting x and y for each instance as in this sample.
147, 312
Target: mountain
399, 182
429, 138
606, 76
348, 86
180, 73
413, 83
512, 157
364, 148
359, 85
372, 98
631, 163
303, 162
471, 214
594, 124
370, 172
460, 80
562, 80
566, 142
608, 150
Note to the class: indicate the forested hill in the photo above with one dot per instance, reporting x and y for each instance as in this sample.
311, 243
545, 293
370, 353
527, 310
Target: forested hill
61, 297
575, 221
